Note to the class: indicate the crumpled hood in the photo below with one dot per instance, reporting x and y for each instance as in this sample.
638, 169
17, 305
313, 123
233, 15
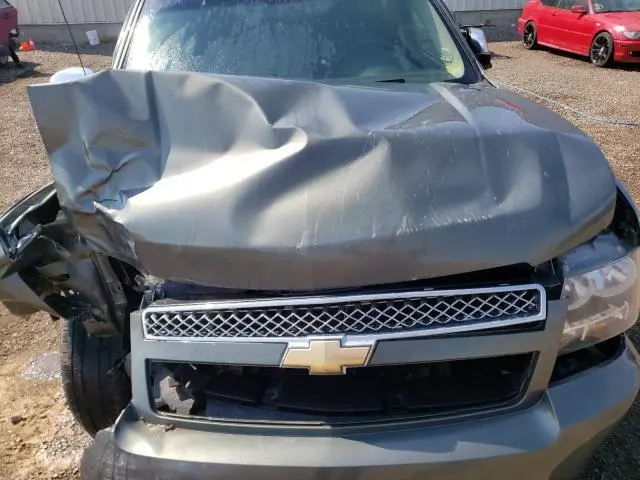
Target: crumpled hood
271, 184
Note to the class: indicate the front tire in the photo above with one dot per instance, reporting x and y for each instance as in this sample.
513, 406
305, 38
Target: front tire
94, 396
530, 36
601, 51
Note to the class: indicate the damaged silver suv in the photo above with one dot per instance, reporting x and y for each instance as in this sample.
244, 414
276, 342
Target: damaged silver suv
309, 239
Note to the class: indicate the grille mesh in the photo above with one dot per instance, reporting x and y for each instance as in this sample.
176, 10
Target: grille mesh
364, 316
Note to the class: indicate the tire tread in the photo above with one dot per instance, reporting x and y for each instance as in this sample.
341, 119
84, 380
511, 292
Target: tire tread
94, 397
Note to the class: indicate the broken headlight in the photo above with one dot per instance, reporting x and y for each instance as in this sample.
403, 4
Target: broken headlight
603, 301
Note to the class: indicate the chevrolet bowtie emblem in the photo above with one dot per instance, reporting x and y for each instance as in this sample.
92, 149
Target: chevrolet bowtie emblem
326, 357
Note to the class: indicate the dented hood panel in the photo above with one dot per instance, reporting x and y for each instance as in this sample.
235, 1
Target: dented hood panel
272, 184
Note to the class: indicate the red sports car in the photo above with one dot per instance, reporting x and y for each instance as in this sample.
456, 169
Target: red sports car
605, 30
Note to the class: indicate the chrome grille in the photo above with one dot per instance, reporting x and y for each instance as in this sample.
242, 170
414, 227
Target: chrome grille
389, 314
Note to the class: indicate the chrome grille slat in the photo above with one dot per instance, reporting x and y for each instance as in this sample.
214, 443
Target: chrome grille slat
379, 314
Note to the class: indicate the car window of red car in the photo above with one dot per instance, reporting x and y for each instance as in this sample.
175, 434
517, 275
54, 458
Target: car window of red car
567, 4
603, 6
550, 3
4, 4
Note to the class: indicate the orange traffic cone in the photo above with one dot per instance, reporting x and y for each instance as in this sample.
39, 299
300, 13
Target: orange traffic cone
28, 46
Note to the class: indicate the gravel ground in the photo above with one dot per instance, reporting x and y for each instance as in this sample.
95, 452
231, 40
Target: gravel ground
45, 443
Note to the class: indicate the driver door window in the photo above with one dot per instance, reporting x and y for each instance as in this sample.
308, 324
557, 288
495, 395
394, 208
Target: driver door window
567, 4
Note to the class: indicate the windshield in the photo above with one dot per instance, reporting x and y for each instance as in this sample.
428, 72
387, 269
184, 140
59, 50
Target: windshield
301, 39
601, 6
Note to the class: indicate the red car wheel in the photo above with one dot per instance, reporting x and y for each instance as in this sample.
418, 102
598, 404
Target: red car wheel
601, 52
530, 38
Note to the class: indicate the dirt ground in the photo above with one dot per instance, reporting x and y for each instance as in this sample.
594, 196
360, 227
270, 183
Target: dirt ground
45, 443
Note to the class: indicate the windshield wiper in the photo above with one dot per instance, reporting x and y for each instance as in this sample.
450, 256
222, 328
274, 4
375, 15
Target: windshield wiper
392, 80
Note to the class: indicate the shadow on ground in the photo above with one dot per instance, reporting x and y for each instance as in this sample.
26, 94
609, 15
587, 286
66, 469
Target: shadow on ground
10, 72
560, 53
500, 56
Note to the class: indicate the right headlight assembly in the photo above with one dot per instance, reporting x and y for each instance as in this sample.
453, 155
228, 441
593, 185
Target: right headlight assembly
603, 301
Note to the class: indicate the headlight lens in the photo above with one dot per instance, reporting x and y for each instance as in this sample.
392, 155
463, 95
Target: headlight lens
632, 35
603, 303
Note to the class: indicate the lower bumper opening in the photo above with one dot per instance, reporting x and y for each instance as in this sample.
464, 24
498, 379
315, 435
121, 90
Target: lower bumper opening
384, 393
576, 362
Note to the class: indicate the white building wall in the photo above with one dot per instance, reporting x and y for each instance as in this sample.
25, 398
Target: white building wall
47, 12
482, 5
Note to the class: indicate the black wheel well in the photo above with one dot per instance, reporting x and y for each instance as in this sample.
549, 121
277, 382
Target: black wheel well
599, 32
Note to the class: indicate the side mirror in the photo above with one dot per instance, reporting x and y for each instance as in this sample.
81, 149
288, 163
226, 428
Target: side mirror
581, 9
70, 74
477, 40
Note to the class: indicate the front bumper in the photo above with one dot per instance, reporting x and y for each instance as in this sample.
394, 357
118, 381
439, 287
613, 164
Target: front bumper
627, 51
551, 439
